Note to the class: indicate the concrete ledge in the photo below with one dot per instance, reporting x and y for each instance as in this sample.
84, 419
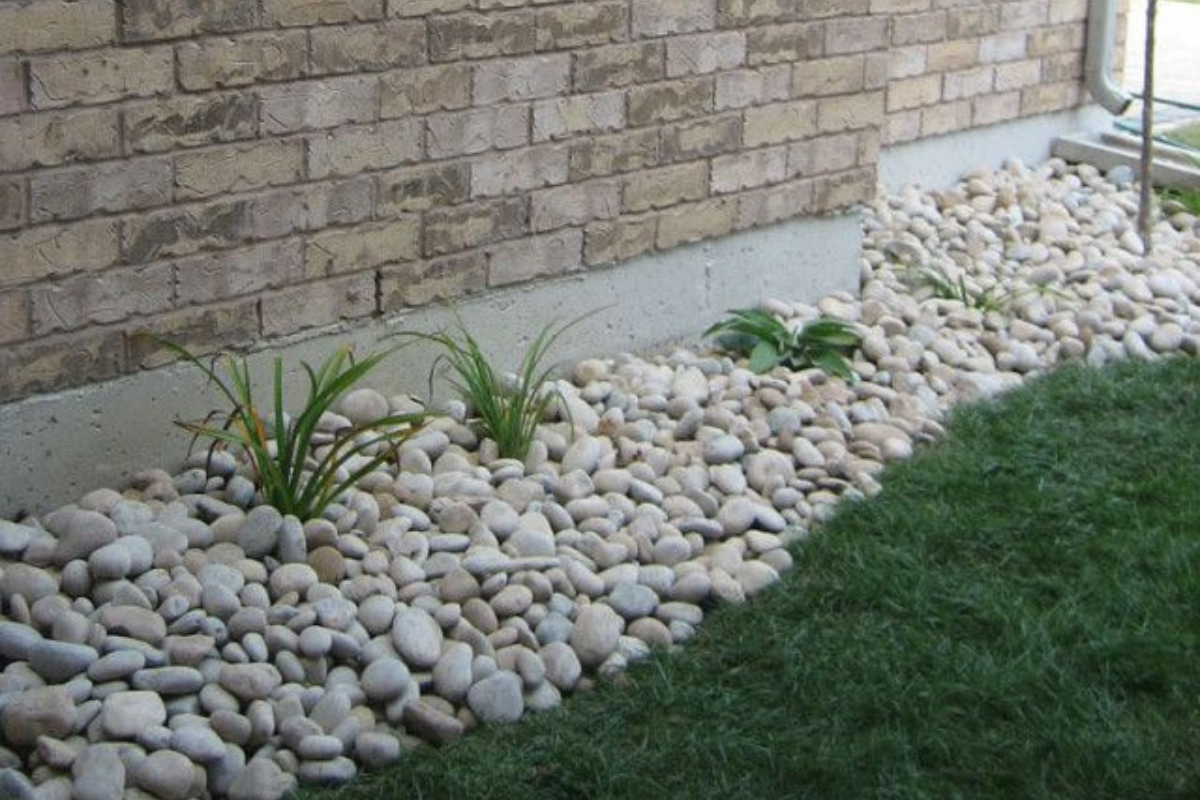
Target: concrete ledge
943, 160
56, 447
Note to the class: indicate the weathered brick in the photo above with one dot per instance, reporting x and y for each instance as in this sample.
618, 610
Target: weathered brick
902, 126
100, 76
348, 151
473, 225
149, 20
785, 43
1047, 97
664, 17
59, 362
503, 33
51, 138
704, 53
686, 141
946, 118
1067, 11
665, 186
190, 121
12, 86
1018, 74
850, 112
745, 13
320, 12
946, 56
834, 192
566, 117
914, 92
575, 204
110, 187
1024, 14
14, 317
1058, 39
420, 282
477, 130
993, 108
421, 8
12, 203
50, 251
312, 207
619, 239
291, 107
201, 330
1062, 67
780, 122
518, 170
186, 230
101, 298
1005, 46
825, 154
855, 35
32, 26
518, 79
219, 63
918, 28
696, 222
238, 168
423, 188
963, 23
667, 102
826, 76
907, 62
319, 304
774, 204
238, 273
342, 250
423, 90
536, 256
746, 87
969, 82
368, 47
620, 152
749, 170
581, 24
619, 65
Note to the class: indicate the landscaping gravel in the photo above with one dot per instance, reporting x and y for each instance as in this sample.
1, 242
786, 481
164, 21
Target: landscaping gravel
173, 640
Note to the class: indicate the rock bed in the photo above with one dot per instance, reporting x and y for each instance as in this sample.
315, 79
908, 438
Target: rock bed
174, 640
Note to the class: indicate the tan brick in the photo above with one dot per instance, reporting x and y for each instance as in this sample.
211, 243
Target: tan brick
37, 25
149, 20
1047, 97
327, 103
1058, 39
834, 153
581, 24
423, 188
963, 23
969, 82
190, 121
1067, 11
218, 276
779, 122
107, 297
1006, 46
465, 36
317, 305
619, 239
320, 12
850, 112
687, 141
238, 168
12, 86
239, 61
774, 204
187, 229
110, 187
946, 56
749, 170
477, 130
282, 212
914, 92
918, 28
619, 65
1024, 14
349, 151
946, 118
12, 203
744, 13
696, 222
875, 71
665, 186
421, 8
704, 53
536, 256
575, 204
60, 362
424, 90
517, 170
826, 76
834, 192
855, 35
746, 87
906, 62
1018, 74
566, 117
993, 108
620, 152
341, 250
368, 47
418, 283
50, 251
665, 17
99, 77
667, 102
202, 330
51, 138
14, 317
900, 6
1062, 67
518, 79
474, 225
903, 126
785, 43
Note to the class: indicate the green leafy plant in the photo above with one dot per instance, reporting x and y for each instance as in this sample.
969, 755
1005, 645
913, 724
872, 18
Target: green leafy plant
943, 287
289, 475
508, 411
825, 343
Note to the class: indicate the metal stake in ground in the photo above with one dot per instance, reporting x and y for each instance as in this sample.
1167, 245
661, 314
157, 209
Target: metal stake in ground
1145, 208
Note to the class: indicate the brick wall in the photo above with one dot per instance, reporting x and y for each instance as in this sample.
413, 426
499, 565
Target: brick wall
219, 171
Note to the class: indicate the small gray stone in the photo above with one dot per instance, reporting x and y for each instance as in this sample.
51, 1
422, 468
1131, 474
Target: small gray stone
124, 714
262, 779
596, 634
249, 681
14, 538
497, 698
166, 774
632, 600
562, 665
16, 640
512, 600
259, 531
199, 743
99, 774
41, 711
452, 674
417, 637
431, 724
58, 662
723, 449
171, 681
334, 772
15, 786
377, 749
385, 679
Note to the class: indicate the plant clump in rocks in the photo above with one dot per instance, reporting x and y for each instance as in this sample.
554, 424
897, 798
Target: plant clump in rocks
181, 638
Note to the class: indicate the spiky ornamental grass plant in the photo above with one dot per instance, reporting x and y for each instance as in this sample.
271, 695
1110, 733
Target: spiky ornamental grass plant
824, 343
290, 477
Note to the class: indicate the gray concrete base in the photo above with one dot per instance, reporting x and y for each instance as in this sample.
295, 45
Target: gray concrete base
56, 447
943, 160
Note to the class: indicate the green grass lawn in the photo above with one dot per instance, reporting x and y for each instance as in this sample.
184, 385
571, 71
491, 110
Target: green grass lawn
1016, 616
